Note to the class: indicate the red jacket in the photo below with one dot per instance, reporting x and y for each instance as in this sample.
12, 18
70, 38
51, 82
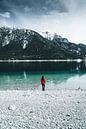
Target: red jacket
43, 82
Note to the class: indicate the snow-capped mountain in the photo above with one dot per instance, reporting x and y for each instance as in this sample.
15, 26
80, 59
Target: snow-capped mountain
28, 44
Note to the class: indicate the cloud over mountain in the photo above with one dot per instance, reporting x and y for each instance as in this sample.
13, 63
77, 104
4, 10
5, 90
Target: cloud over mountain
61, 16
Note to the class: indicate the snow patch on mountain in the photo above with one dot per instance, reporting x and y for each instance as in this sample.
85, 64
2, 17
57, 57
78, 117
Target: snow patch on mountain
25, 42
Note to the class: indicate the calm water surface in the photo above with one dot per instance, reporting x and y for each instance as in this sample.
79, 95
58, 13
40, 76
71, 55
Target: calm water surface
59, 75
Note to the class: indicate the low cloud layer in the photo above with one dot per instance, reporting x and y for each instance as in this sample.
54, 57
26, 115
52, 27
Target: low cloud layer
65, 17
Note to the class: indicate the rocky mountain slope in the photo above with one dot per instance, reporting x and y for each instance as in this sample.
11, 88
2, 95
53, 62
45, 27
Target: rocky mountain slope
28, 44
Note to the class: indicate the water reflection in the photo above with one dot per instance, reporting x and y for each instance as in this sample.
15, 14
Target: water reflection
42, 66
25, 75
75, 82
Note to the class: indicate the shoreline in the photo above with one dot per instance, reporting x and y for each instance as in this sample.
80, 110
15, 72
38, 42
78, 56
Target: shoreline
50, 60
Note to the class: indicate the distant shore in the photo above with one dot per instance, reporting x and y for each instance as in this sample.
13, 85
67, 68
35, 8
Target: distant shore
59, 60
57, 109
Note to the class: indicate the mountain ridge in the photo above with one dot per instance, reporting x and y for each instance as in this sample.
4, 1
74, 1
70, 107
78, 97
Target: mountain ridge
28, 44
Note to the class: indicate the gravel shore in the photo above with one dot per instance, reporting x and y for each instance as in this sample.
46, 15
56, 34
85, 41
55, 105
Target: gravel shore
57, 109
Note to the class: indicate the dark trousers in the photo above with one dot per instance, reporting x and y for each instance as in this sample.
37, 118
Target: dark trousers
43, 87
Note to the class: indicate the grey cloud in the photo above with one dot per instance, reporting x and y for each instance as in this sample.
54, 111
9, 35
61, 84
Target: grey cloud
41, 6
61, 16
34, 6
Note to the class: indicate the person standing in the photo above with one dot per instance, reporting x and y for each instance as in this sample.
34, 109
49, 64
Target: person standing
43, 81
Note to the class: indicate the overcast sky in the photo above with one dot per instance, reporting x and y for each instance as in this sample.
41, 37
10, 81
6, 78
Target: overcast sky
65, 17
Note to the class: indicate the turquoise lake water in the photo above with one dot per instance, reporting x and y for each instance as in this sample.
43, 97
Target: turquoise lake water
59, 75
24, 80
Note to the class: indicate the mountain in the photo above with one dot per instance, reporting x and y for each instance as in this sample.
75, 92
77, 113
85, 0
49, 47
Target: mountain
28, 44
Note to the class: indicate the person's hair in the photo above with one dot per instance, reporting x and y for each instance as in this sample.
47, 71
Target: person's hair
42, 78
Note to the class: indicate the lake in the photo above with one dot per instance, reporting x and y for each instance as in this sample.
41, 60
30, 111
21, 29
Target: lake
27, 75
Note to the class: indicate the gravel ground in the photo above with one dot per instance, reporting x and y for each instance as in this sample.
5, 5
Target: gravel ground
59, 109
